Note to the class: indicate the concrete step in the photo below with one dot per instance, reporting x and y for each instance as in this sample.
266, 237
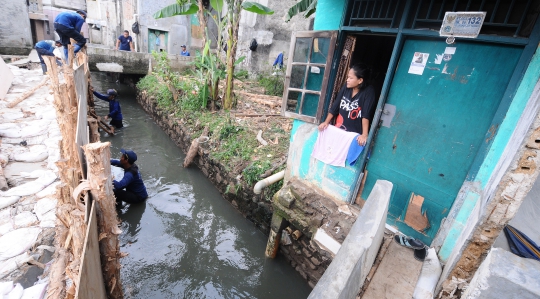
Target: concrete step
394, 273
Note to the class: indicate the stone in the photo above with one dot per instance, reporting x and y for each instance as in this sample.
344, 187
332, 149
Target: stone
315, 261
286, 198
29, 276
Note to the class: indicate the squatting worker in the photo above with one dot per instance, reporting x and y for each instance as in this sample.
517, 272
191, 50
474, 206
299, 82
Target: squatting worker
184, 51
46, 48
68, 25
115, 112
132, 182
353, 105
124, 42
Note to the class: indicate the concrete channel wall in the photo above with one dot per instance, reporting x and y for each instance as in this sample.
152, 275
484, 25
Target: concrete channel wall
103, 59
244, 200
503, 272
347, 272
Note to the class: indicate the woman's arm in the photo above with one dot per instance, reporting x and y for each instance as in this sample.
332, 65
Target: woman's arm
325, 123
362, 139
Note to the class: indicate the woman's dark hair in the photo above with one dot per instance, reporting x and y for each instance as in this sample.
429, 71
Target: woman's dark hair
362, 71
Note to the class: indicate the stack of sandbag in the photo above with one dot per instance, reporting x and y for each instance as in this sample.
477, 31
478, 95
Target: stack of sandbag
29, 149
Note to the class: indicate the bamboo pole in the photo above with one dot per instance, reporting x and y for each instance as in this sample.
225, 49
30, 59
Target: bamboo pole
25, 95
98, 157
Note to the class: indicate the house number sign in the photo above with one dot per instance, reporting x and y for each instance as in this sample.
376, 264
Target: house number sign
462, 24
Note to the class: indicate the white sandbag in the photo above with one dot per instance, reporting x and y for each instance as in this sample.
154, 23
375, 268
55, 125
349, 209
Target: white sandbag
24, 219
429, 276
4, 159
34, 174
6, 228
31, 187
17, 241
8, 266
25, 130
5, 216
50, 190
35, 292
6, 287
8, 126
29, 140
44, 206
31, 157
16, 293
6, 201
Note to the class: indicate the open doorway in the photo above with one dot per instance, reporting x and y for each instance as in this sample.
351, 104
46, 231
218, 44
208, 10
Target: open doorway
375, 52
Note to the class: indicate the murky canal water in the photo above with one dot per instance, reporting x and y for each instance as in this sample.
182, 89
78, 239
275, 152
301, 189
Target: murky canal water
186, 241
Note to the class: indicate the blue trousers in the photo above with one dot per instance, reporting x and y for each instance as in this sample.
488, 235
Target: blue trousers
42, 52
65, 34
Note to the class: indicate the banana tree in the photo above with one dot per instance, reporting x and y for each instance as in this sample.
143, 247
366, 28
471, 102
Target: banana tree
234, 8
231, 18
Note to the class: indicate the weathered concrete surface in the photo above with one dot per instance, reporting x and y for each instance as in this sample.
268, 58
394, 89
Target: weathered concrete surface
396, 276
505, 275
108, 60
15, 32
347, 272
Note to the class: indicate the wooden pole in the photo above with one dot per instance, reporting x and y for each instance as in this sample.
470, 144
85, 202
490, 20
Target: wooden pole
94, 134
25, 95
98, 156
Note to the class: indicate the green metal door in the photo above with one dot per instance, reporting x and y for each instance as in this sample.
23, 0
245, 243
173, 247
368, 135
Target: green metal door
441, 119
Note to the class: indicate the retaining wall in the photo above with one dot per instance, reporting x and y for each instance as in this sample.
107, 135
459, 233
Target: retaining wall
244, 200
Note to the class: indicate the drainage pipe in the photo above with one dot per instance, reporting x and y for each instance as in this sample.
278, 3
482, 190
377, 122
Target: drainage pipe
268, 181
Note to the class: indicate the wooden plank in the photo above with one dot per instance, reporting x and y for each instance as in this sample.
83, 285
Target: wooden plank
81, 136
90, 284
414, 217
6, 77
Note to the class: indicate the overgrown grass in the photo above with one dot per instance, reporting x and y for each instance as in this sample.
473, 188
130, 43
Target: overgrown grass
273, 82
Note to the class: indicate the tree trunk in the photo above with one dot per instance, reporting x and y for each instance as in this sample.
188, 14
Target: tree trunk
98, 156
202, 19
234, 24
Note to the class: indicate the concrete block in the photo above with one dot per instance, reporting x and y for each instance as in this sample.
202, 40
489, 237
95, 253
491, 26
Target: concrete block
6, 77
505, 275
286, 197
347, 272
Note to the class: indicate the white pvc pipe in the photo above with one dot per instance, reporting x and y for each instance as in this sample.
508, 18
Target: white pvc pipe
268, 181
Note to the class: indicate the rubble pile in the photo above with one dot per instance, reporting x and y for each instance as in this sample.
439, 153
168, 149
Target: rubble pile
29, 148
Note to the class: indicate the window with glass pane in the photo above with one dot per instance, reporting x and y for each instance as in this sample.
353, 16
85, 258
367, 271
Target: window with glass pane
307, 74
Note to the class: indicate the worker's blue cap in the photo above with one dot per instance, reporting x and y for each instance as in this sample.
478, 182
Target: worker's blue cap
82, 12
132, 156
58, 42
112, 92
183, 46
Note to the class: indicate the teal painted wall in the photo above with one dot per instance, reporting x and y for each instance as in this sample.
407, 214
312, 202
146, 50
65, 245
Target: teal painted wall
441, 119
329, 14
337, 182
469, 213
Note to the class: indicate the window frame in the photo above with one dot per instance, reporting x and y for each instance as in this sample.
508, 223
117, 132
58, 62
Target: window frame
332, 34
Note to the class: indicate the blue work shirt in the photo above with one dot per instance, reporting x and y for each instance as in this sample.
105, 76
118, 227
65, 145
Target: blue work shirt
124, 43
46, 45
70, 20
184, 53
132, 180
115, 113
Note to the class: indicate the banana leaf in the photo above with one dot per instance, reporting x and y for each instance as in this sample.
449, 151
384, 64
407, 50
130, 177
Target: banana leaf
176, 10
307, 6
257, 8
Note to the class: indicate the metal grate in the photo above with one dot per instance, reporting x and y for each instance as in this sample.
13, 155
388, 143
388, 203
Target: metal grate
504, 17
378, 13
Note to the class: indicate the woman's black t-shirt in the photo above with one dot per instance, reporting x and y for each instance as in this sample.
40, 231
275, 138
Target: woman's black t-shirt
350, 110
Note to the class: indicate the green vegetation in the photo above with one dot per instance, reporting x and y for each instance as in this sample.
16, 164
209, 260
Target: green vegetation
232, 141
273, 81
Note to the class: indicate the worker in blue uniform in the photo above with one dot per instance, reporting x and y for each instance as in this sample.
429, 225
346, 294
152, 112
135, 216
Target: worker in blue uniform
46, 48
68, 25
115, 112
131, 187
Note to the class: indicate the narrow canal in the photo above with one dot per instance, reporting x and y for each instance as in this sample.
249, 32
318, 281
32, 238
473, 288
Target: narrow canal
186, 241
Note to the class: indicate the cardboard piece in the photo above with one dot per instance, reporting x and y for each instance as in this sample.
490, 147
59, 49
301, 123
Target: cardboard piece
414, 217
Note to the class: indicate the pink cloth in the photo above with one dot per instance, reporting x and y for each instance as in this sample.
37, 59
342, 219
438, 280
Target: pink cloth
332, 146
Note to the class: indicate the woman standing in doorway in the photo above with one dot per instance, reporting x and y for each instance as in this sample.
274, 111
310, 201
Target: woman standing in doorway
353, 106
